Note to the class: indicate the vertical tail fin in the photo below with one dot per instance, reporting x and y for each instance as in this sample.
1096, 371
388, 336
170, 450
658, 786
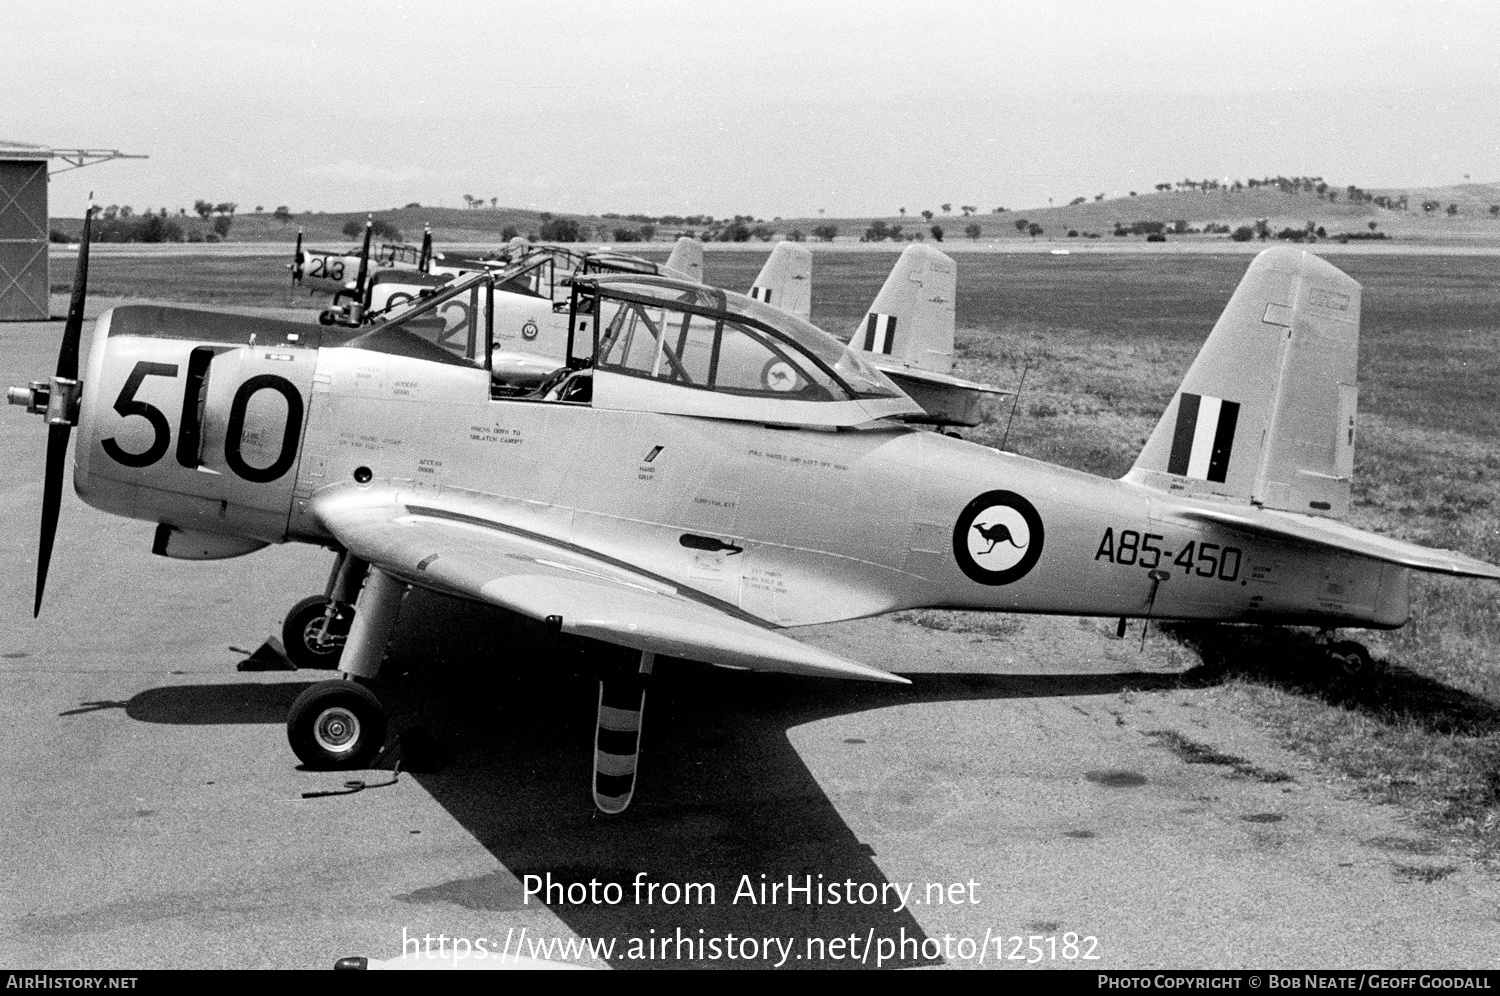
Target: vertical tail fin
911, 320
785, 281
687, 259
1266, 413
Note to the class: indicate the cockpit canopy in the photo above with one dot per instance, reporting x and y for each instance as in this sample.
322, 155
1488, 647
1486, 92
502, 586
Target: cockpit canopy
638, 342
692, 335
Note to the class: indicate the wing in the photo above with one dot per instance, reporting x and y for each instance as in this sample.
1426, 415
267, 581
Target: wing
1336, 535
542, 578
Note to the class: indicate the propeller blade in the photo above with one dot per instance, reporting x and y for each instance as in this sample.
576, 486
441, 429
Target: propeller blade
67, 353
364, 261
58, 433
57, 453
296, 266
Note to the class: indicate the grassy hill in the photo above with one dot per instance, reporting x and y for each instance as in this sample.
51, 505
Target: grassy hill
1219, 207
1196, 209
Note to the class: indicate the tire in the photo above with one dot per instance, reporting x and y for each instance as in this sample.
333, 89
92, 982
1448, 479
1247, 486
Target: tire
1351, 657
297, 635
336, 725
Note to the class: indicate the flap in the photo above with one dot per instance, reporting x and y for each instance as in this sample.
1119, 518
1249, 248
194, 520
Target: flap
539, 577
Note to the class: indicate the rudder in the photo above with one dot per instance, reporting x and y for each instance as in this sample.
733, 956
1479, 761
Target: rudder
1266, 413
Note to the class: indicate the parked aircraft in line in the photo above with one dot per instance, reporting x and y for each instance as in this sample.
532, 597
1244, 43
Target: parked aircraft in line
705, 472
908, 334
344, 273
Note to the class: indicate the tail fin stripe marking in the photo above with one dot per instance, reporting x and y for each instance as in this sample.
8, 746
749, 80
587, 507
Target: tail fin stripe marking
1203, 437
870, 321
1218, 462
1182, 435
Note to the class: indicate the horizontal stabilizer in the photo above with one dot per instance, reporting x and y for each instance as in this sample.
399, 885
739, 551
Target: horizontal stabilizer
945, 380
1323, 532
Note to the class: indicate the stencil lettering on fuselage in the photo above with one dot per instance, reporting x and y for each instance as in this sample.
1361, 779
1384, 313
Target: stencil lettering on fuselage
998, 538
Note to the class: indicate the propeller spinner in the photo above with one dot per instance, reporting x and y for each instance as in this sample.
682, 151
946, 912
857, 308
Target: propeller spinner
58, 400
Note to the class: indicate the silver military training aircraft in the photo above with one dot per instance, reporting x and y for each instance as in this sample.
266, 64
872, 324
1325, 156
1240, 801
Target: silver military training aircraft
707, 472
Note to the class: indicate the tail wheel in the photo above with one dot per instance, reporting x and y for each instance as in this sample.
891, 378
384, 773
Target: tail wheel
1351, 657
336, 725
300, 632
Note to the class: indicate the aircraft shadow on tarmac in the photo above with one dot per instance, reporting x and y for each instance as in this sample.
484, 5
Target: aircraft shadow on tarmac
722, 792
1387, 692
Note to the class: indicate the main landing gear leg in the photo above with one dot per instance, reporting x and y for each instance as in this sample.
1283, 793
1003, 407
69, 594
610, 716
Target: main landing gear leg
341, 724
316, 628
617, 740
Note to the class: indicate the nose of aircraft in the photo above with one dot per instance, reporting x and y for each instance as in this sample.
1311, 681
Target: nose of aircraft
58, 400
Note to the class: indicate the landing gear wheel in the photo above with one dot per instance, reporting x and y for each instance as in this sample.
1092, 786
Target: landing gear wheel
336, 725
1351, 657
299, 635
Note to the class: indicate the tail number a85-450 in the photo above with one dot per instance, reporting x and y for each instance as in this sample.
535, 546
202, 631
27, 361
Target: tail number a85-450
1204, 560
126, 404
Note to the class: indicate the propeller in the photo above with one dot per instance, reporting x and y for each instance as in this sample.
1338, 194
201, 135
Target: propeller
62, 412
364, 259
296, 266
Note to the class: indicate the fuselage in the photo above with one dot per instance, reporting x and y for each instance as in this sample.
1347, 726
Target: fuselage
792, 525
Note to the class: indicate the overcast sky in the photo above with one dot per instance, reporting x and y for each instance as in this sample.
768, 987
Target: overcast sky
773, 109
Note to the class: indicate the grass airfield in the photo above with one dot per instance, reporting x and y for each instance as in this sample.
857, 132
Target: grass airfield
1234, 802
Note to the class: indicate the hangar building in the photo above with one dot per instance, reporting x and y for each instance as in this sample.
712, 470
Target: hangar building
24, 276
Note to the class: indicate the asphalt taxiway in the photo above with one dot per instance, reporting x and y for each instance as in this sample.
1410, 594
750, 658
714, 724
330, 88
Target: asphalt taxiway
155, 817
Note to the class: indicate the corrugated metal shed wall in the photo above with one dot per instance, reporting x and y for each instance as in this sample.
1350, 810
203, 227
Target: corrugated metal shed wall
23, 240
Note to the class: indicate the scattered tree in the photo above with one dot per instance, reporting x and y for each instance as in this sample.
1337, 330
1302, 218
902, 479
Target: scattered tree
1452, 210
1495, 210
1374, 225
559, 230
203, 209
282, 214
494, 202
221, 225
259, 209
947, 208
1098, 197
968, 209
937, 233
225, 208
1034, 229
972, 231
735, 231
902, 211
927, 215
1077, 200
796, 235
825, 233
1021, 224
